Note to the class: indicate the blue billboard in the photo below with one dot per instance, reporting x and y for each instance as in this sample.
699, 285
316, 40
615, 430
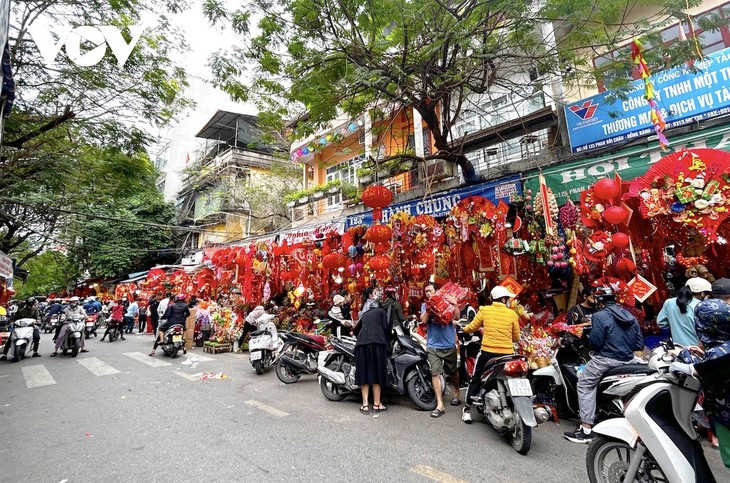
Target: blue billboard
440, 204
683, 95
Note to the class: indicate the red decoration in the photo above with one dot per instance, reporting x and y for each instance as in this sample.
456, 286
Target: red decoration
377, 196
615, 214
333, 261
620, 240
607, 189
379, 263
379, 233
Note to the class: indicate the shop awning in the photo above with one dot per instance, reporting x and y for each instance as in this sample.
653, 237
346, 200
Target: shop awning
440, 204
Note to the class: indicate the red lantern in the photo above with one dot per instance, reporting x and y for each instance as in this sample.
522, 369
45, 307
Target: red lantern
607, 189
379, 233
381, 247
615, 214
379, 263
620, 240
376, 196
333, 261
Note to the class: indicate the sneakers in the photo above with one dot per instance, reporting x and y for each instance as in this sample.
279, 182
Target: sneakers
466, 415
579, 436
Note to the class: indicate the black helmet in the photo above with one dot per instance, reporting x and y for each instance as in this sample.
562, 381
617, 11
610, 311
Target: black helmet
604, 293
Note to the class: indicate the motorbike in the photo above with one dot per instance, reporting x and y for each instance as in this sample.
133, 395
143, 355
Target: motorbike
299, 355
264, 344
556, 385
655, 440
53, 322
116, 328
74, 333
505, 399
408, 370
92, 323
21, 337
173, 341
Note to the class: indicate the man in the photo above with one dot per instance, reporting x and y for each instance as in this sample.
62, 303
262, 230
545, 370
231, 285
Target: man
582, 313
115, 321
345, 305
131, 315
92, 306
441, 349
152, 307
501, 330
56, 308
615, 336
28, 311
74, 310
177, 313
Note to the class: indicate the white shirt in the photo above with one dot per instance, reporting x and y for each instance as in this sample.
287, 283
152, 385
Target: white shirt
162, 308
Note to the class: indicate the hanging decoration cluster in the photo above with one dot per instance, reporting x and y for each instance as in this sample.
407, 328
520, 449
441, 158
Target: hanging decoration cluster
324, 141
656, 116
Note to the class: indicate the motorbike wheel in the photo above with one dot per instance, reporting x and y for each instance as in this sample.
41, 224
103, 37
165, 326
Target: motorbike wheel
286, 374
332, 392
112, 335
608, 459
74, 348
19, 353
422, 395
173, 353
258, 366
521, 437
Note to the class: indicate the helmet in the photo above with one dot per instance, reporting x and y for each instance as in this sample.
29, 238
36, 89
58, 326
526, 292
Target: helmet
391, 291
604, 293
500, 292
698, 285
181, 296
74, 300
30, 300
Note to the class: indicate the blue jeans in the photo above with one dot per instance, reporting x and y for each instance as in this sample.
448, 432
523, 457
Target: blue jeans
128, 324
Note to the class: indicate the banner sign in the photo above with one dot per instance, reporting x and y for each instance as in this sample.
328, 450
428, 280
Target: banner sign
6, 266
298, 235
440, 204
684, 97
567, 180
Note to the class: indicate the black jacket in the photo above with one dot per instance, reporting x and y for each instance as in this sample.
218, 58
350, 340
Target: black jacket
176, 313
396, 312
373, 327
615, 333
152, 306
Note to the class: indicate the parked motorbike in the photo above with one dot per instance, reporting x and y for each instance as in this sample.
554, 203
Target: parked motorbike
655, 440
74, 333
21, 337
505, 398
299, 356
556, 385
173, 341
408, 371
92, 323
264, 344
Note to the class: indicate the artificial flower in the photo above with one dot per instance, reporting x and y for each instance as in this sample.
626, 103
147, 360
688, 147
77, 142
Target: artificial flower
701, 204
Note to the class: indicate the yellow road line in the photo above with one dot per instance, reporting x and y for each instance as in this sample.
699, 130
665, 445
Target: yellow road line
435, 475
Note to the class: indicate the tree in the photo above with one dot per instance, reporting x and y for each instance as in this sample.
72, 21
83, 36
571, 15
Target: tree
73, 139
48, 272
329, 57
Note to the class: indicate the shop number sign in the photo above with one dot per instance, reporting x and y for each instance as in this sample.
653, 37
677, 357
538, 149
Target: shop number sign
642, 288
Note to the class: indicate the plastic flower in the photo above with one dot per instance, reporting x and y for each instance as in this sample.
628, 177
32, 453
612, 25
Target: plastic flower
701, 204
697, 183
599, 208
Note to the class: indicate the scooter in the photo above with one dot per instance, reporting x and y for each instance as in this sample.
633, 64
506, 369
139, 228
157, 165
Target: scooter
74, 333
556, 385
92, 323
263, 346
53, 322
21, 337
173, 341
655, 440
116, 328
299, 355
505, 398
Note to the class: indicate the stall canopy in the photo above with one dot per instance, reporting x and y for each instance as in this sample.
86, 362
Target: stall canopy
440, 204
568, 180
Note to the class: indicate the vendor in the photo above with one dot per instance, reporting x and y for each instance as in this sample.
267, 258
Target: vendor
581, 314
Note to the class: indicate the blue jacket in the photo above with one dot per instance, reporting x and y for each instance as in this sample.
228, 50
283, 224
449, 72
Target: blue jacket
616, 333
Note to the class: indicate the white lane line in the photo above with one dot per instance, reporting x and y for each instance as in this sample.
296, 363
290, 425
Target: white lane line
200, 358
97, 367
435, 475
37, 376
267, 409
186, 376
145, 359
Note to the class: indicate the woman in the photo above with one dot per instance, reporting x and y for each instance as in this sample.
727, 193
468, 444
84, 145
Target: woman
679, 312
371, 352
393, 308
337, 316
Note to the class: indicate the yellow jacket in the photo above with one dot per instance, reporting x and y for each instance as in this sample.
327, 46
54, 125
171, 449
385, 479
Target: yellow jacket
501, 328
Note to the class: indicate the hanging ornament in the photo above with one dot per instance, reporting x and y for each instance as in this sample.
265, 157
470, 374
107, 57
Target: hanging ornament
615, 214
607, 189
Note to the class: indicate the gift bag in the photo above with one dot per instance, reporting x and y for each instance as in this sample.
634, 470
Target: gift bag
443, 311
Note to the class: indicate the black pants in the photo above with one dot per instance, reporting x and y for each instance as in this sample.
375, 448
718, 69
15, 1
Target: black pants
482, 359
115, 325
247, 327
142, 323
163, 329
34, 345
58, 331
154, 325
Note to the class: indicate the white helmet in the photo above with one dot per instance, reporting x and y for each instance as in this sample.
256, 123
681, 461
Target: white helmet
74, 299
499, 292
699, 285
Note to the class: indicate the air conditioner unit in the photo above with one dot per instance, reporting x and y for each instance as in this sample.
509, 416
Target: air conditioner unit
438, 169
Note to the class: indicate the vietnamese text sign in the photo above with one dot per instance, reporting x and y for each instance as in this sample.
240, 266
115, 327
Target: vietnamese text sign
6, 266
683, 96
642, 288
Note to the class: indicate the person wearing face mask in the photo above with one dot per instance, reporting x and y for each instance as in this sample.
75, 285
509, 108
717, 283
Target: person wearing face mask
74, 310
581, 314
679, 312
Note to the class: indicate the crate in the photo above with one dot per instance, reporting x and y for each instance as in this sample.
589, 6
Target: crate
217, 348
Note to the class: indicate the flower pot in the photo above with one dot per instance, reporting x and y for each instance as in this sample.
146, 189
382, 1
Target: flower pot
383, 174
365, 179
317, 195
303, 199
290, 204
334, 190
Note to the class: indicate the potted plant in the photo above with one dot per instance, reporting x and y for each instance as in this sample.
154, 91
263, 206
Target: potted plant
350, 193
333, 186
318, 193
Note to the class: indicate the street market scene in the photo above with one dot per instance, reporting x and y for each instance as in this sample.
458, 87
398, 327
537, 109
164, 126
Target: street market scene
296, 240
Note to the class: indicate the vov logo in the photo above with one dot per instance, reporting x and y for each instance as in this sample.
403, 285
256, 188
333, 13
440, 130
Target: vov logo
72, 38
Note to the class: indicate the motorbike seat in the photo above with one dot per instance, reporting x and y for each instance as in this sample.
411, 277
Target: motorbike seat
258, 332
633, 368
316, 339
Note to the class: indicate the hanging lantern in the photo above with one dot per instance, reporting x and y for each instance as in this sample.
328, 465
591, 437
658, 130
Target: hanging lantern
615, 214
379, 263
379, 233
377, 196
620, 240
352, 251
607, 189
333, 261
381, 247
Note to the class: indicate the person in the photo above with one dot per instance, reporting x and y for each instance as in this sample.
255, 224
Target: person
74, 310
131, 315
116, 320
441, 349
162, 308
249, 323
56, 308
176, 314
345, 305
92, 306
29, 310
393, 308
142, 318
581, 314
615, 336
152, 306
337, 316
679, 312
371, 352
501, 331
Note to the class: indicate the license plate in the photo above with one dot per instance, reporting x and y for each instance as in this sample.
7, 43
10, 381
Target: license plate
519, 387
698, 408
256, 355
177, 338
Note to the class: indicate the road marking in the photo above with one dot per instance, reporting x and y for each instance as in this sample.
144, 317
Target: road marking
186, 376
200, 358
37, 376
97, 367
435, 475
145, 359
267, 409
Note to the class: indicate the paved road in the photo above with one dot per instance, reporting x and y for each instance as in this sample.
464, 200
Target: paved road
115, 414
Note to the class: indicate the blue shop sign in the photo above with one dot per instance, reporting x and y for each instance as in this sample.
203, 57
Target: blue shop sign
440, 204
683, 97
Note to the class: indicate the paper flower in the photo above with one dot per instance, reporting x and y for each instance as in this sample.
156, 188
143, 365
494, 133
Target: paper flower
701, 204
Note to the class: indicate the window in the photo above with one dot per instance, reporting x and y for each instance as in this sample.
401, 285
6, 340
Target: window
346, 172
